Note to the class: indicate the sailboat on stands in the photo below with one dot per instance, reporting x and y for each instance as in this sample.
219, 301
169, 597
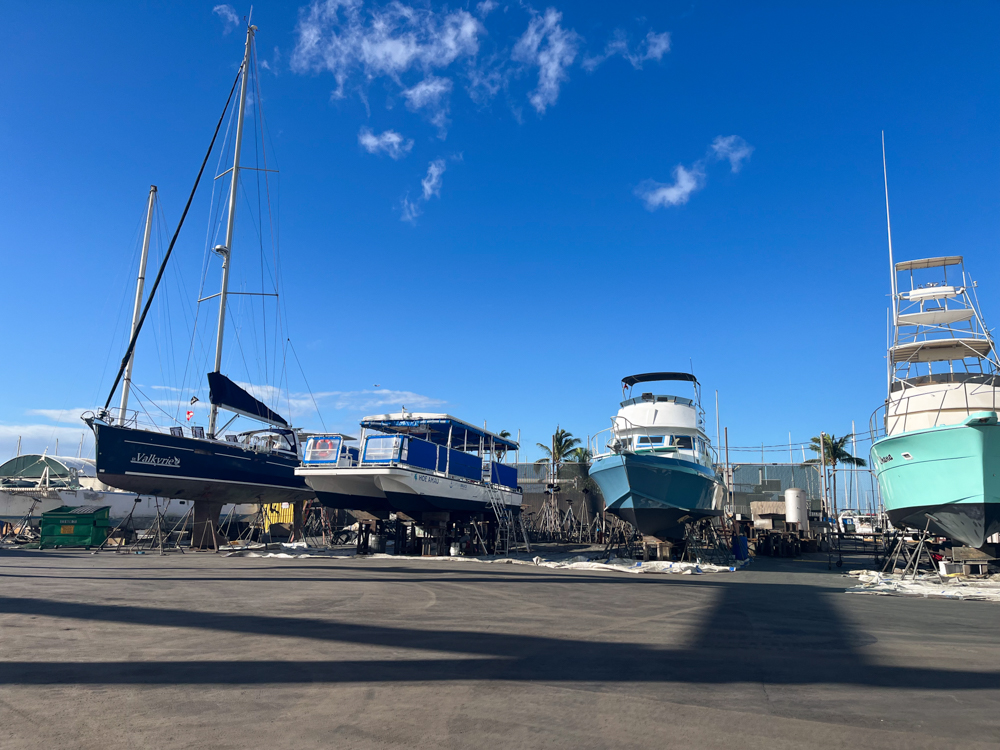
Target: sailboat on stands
210, 469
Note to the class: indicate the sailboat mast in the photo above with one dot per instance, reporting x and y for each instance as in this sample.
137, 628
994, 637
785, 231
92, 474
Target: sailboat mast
137, 311
226, 250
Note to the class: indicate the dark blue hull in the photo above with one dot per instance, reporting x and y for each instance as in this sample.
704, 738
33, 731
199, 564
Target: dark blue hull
656, 494
152, 463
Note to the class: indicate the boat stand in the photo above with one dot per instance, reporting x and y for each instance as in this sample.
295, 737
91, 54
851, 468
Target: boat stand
126, 527
919, 554
24, 525
702, 544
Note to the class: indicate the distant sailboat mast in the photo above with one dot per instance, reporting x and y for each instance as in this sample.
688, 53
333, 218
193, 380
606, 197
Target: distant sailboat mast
226, 250
137, 311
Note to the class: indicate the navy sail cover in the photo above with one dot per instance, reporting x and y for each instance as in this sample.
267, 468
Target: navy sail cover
225, 394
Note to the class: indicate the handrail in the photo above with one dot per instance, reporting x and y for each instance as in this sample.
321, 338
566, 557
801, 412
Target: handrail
876, 432
629, 425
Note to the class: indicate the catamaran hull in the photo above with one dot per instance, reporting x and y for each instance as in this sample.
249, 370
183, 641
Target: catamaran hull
346, 491
950, 475
399, 490
656, 494
152, 463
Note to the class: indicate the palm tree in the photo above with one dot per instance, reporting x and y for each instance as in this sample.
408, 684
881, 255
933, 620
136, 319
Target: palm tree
562, 446
580, 455
834, 453
504, 433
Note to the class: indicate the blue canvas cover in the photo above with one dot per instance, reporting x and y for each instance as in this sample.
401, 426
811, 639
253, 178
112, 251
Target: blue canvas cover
422, 454
503, 474
466, 465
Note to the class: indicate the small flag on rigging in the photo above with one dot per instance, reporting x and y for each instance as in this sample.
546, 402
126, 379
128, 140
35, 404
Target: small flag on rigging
189, 415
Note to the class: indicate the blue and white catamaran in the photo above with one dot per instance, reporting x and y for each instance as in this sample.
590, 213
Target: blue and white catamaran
655, 468
413, 464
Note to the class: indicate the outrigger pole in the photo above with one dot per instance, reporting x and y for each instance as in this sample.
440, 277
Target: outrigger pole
170, 249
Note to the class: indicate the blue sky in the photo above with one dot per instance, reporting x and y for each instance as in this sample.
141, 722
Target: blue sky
499, 212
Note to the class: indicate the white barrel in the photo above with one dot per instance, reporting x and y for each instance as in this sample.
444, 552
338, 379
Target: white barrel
797, 508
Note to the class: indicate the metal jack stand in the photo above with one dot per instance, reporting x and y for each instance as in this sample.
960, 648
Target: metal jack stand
19, 529
913, 559
124, 526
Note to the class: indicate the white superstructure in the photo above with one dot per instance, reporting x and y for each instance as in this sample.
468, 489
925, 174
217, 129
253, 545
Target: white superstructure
941, 366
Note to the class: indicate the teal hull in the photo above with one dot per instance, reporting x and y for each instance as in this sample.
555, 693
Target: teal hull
947, 484
656, 494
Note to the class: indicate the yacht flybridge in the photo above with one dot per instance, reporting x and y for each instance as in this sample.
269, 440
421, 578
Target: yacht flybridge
937, 446
184, 462
415, 465
654, 465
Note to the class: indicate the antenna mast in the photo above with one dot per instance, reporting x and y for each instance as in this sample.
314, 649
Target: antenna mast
888, 227
137, 311
226, 250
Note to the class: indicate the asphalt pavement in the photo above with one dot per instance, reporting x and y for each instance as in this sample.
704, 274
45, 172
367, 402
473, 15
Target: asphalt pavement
198, 650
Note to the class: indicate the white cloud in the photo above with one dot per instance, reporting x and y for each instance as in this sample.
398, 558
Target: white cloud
653, 47
432, 182
550, 47
431, 94
391, 142
486, 7
228, 15
430, 188
411, 209
686, 181
733, 148
689, 180
381, 398
341, 36
42, 438
64, 416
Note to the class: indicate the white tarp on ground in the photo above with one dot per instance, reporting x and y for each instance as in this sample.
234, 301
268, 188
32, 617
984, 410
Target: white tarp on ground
927, 585
298, 551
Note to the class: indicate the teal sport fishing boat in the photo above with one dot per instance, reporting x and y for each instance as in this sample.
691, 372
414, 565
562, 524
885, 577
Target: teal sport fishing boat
937, 443
655, 464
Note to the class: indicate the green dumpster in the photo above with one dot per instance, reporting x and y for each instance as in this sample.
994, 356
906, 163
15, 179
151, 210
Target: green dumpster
85, 526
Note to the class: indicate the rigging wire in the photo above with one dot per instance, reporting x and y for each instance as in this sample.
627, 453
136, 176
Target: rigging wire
214, 219
315, 405
166, 257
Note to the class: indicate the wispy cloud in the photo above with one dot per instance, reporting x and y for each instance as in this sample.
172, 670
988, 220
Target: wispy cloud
733, 148
431, 187
358, 401
432, 182
486, 7
653, 47
64, 416
43, 438
228, 15
688, 180
550, 47
342, 36
431, 94
390, 142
